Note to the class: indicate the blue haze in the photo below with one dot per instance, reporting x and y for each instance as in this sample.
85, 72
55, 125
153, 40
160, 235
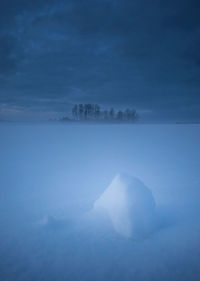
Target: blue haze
50, 176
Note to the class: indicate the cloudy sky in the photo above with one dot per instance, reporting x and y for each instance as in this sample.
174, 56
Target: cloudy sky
138, 53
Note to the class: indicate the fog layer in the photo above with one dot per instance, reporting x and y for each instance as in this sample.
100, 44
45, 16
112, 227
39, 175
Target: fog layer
50, 177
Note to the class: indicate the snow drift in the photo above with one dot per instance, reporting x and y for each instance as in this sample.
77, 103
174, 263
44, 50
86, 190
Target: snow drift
129, 205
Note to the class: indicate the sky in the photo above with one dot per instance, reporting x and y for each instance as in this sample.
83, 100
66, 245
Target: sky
142, 54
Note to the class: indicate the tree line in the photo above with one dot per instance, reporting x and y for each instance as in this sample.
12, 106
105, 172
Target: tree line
89, 112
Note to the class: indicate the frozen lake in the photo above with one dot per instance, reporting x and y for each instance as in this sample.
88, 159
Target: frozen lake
50, 177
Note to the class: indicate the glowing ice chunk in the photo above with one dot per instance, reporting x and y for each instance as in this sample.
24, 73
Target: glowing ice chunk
129, 204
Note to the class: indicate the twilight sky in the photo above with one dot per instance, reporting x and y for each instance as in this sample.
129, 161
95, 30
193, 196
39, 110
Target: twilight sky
138, 53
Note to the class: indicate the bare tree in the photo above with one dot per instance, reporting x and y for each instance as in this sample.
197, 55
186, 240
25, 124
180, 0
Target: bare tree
127, 114
89, 111
112, 114
75, 112
93, 112
133, 115
81, 111
105, 115
97, 111
120, 115
85, 111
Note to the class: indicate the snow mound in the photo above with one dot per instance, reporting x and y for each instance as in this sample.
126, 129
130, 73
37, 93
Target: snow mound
129, 205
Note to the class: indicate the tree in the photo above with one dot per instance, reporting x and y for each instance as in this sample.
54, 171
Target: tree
97, 111
105, 115
111, 114
85, 111
90, 110
80, 111
133, 115
127, 114
75, 112
119, 116
93, 112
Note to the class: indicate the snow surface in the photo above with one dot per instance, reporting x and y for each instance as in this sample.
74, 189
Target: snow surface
129, 204
50, 177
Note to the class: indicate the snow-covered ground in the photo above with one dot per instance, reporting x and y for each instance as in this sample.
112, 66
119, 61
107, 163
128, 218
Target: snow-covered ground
50, 177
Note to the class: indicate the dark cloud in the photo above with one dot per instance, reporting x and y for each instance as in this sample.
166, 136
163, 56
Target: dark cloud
141, 53
185, 15
8, 54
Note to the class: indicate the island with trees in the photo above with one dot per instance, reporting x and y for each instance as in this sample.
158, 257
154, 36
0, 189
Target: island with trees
93, 113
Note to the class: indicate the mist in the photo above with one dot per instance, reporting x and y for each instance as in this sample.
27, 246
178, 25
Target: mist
52, 174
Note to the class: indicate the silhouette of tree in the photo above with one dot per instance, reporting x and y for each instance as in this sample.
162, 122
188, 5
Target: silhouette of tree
93, 112
85, 111
105, 115
127, 114
112, 114
81, 111
75, 112
90, 111
119, 116
133, 115
97, 111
